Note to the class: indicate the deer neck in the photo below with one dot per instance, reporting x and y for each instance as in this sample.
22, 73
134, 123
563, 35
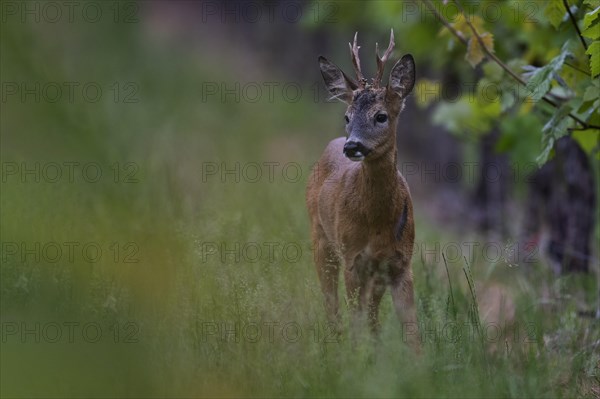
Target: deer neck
378, 181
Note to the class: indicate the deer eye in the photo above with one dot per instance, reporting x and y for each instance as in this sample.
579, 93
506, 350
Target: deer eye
381, 118
347, 119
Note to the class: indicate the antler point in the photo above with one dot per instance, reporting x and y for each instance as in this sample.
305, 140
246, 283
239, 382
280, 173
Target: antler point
381, 60
355, 59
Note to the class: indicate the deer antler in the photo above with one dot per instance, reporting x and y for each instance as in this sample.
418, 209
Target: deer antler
356, 62
381, 61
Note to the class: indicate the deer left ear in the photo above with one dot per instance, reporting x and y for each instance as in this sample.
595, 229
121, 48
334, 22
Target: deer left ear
402, 77
338, 83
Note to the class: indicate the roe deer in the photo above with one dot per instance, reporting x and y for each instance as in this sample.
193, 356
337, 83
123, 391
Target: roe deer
359, 204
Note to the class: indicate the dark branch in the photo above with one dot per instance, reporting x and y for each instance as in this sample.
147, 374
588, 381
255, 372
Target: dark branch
575, 24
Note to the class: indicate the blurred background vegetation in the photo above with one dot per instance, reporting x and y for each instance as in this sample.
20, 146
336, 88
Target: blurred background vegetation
153, 227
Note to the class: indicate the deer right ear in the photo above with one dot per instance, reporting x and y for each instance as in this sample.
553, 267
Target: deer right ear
402, 77
338, 84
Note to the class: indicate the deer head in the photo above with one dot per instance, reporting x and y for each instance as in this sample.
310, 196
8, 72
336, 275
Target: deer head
372, 113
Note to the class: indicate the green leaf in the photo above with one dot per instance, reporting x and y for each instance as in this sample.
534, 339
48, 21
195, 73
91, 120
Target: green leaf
555, 128
592, 3
461, 25
590, 101
594, 52
592, 93
590, 17
475, 53
541, 78
591, 27
557, 125
555, 12
588, 139
548, 145
593, 32
539, 83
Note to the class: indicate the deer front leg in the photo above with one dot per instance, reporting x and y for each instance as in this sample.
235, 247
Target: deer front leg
327, 262
375, 290
355, 289
404, 303
364, 288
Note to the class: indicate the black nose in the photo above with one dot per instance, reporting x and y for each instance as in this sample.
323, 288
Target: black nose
354, 148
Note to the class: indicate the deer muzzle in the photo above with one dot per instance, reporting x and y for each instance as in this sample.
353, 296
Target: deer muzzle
355, 151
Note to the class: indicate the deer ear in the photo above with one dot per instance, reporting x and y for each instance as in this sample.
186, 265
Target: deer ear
338, 84
402, 77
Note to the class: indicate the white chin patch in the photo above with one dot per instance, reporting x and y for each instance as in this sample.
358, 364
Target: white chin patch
357, 157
